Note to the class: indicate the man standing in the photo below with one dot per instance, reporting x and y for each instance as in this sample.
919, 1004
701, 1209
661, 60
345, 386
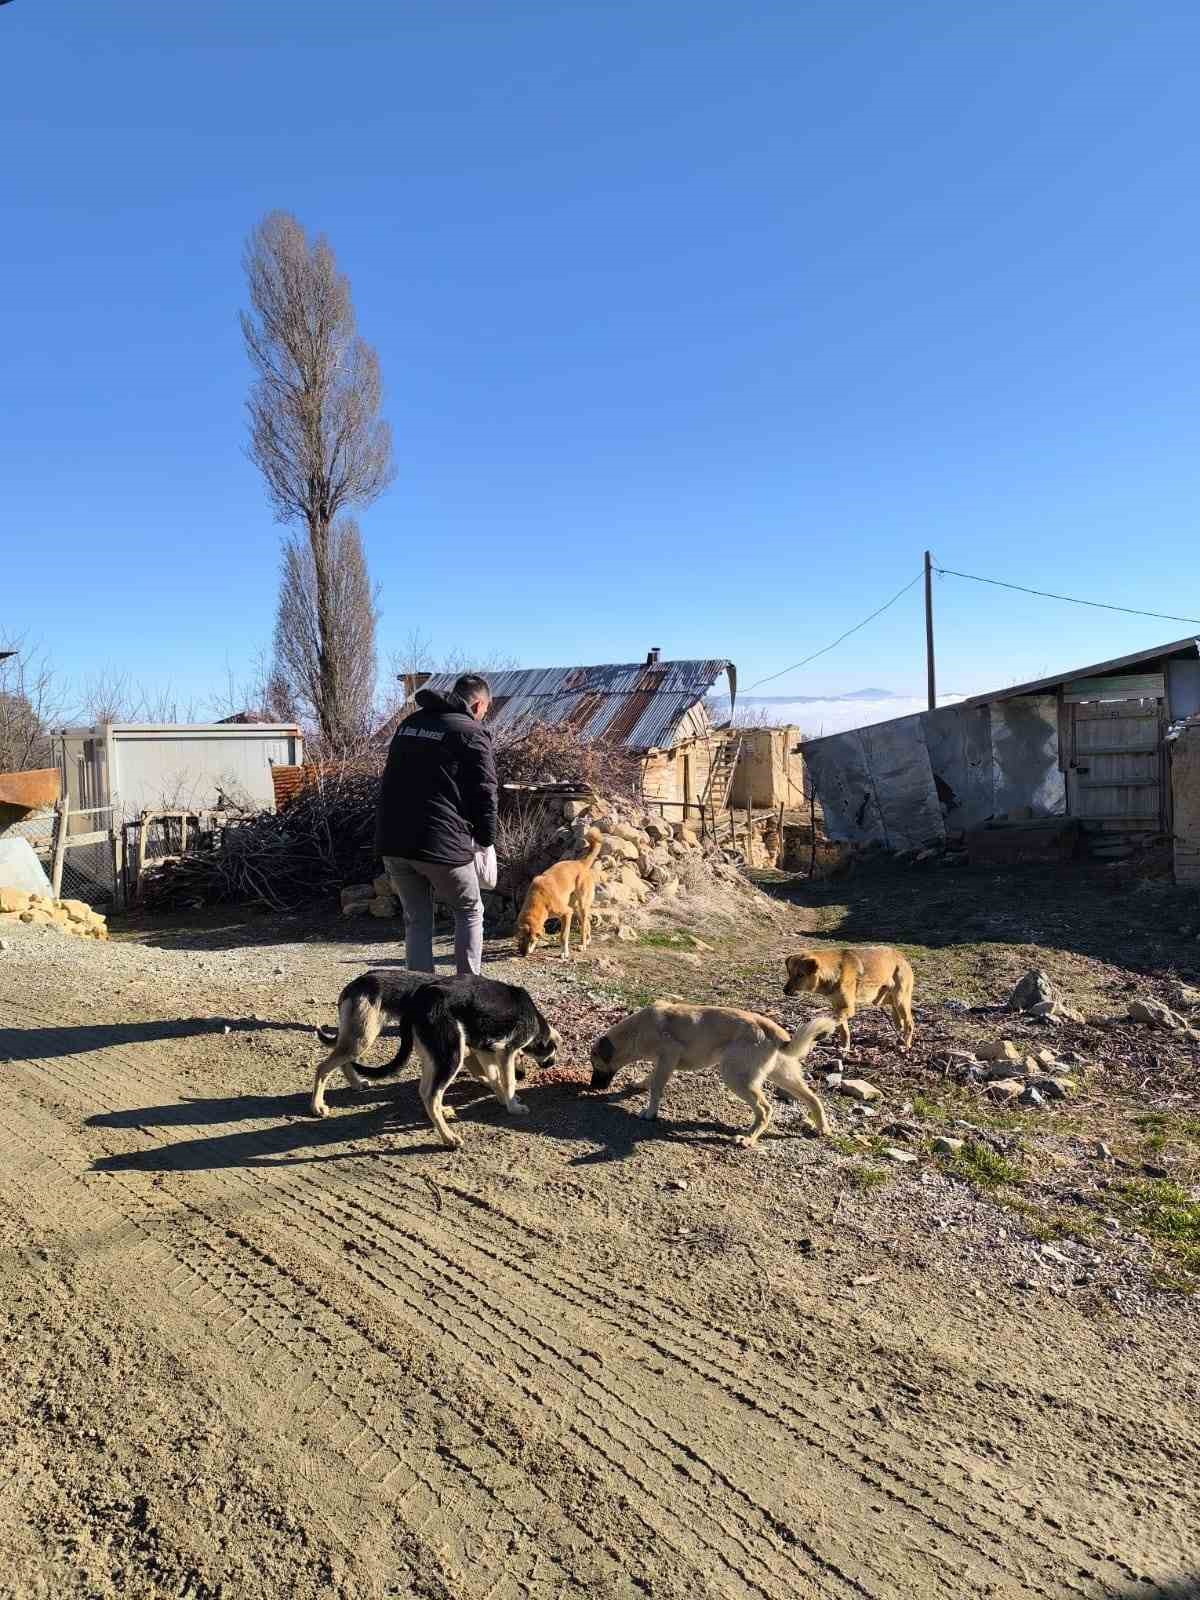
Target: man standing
437, 806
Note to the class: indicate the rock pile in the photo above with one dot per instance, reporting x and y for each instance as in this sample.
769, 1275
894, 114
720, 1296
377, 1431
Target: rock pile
1006, 1072
644, 862
1037, 996
377, 899
40, 911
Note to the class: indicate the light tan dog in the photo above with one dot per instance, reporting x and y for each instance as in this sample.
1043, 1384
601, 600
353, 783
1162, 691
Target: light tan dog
870, 975
749, 1051
563, 891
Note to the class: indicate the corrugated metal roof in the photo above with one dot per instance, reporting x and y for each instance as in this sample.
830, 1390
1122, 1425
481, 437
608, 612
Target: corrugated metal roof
640, 706
1098, 669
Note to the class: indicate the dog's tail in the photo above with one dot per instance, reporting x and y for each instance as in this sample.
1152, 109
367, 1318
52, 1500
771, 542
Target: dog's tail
799, 1047
594, 840
788, 1076
399, 1061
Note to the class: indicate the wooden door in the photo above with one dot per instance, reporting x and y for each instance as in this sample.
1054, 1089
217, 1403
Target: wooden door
1115, 777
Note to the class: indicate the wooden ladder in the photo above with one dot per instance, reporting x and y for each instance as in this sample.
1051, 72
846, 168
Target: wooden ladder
720, 776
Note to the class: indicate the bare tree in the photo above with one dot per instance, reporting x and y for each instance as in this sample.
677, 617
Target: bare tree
29, 707
298, 677
113, 696
315, 430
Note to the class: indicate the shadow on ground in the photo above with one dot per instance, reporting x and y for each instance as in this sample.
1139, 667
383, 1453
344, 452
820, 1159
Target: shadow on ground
607, 1125
46, 1043
1173, 1589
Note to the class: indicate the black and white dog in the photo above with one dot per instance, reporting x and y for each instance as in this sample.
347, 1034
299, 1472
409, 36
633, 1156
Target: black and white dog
454, 1022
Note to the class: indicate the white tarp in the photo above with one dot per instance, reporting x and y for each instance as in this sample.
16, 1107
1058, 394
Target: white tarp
20, 868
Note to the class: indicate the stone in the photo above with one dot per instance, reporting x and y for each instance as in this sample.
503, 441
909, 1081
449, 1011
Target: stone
904, 1157
617, 848
1031, 1097
1049, 1253
1005, 1090
1153, 1170
1103, 1150
860, 1089
996, 1070
625, 934
686, 835
615, 892
626, 831
572, 810
658, 831
382, 907
77, 910
1054, 1088
945, 1146
669, 889
1157, 1015
834, 1080
356, 893
999, 1050
3, 945
15, 900
1034, 989
1183, 996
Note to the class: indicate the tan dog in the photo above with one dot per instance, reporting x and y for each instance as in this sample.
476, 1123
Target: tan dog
564, 891
748, 1051
871, 975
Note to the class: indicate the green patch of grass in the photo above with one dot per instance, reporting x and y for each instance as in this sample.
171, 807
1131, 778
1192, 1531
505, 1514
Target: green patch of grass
867, 1178
664, 941
1159, 1123
982, 1167
1166, 1214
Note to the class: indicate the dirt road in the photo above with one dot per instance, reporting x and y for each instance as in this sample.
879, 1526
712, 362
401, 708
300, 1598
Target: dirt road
249, 1355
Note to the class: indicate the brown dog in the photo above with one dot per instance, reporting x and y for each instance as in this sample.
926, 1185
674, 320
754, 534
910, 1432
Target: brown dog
564, 891
872, 975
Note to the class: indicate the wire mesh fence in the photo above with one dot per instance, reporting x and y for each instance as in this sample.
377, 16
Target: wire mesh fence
83, 865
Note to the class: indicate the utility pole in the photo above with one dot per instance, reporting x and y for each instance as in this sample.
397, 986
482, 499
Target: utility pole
929, 631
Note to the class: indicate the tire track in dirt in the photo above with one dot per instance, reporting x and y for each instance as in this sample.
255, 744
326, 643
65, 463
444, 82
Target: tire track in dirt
736, 1561
345, 1204
214, 1273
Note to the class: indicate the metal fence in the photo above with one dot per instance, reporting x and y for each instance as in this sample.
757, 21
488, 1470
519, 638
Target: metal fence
84, 863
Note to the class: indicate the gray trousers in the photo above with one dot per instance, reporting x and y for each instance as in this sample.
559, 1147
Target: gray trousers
417, 883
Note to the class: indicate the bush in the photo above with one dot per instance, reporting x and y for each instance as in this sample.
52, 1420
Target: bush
555, 752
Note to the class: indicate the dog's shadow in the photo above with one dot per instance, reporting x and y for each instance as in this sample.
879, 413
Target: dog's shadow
288, 1135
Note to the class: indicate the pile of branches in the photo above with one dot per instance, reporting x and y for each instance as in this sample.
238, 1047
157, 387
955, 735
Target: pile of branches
323, 839
554, 752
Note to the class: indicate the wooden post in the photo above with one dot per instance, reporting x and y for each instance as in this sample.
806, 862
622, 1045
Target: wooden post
60, 844
929, 632
116, 834
183, 822
143, 841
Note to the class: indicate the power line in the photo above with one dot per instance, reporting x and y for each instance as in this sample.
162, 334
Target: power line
1045, 594
770, 678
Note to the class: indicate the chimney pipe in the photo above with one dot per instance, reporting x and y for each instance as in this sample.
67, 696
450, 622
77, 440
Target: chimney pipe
652, 657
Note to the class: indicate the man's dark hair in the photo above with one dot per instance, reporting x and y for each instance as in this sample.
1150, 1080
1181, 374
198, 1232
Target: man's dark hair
472, 687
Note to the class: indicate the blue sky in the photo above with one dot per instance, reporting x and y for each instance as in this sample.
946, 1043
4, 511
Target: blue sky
698, 323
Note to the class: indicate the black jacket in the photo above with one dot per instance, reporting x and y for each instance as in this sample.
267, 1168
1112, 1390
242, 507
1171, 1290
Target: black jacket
438, 797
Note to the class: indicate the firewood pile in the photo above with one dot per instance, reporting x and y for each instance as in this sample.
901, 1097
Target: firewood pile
322, 839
